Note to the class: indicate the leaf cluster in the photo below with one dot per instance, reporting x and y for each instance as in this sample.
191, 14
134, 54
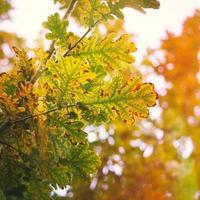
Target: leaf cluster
47, 100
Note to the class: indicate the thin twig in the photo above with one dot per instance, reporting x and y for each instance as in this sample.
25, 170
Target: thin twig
52, 48
66, 16
8, 123
70, 49
43, 113
36, 115
84, 35
70, 9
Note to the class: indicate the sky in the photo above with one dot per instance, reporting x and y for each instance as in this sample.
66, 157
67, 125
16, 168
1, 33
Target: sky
152, 26
28, 15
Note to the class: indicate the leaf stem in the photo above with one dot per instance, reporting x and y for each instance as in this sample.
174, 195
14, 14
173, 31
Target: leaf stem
52, 48
43, 113
84, 35
70, 9
77, 42
7, 124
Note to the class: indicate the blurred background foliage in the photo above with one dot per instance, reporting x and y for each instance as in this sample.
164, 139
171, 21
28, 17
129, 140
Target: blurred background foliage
159, 158
5, 7
7, 39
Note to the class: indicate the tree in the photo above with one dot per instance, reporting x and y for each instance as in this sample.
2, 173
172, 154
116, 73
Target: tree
47, 100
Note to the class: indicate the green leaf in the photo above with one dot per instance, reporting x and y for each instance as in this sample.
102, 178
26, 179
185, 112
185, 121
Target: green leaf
92, 11
109, 52
139, 5
57, 28
67, 76
122, 99
82, 161
59, 175
147, 3
73, 131
24, 64
38, 188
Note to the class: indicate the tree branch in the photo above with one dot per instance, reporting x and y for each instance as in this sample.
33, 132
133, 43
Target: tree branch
36, 115
43, 113
52, 48
84, 35
7, 124
70, 49
70, 9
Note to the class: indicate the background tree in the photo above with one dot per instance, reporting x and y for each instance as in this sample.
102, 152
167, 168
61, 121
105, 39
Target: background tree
7, 40
158, 159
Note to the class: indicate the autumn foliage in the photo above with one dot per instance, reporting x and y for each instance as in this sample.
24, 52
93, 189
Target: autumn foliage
48, 99
77, 114
171, 170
